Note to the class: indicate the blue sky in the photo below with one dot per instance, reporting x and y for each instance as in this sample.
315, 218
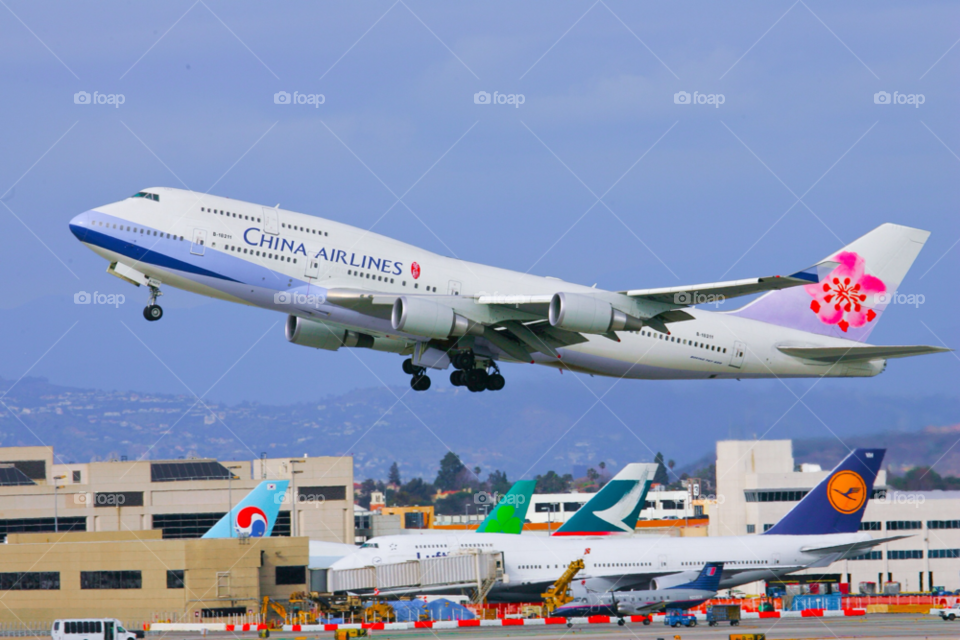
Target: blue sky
796, 162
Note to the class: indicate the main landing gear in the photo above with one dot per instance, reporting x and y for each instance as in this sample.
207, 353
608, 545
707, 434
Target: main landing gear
418, 375
473, 377
153, 311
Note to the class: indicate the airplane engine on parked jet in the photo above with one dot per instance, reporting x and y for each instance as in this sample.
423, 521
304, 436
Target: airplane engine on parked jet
426, 318
320, 335
587, 314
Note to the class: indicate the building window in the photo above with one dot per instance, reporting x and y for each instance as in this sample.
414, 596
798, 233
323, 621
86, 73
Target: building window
751, 528
767, 527
943, 524
175, 579
870, 526
903, 525
944, 553
185, 525
110, 580
41, 525
291, 575
912, 554
321, 494
547, 507
76, 476
180, 471
30, 581
118, 499
570, 507
870, 555
775, 496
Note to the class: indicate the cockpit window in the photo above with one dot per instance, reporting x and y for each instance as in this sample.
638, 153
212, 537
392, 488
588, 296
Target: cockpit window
370, 545
148, 196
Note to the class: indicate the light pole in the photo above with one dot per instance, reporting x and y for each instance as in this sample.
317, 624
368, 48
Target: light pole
230, 495
293, 495
56, 520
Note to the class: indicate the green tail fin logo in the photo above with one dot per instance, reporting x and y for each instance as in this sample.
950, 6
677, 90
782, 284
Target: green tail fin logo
511, 508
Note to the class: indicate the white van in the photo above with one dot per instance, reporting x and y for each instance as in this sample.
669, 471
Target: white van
92, 629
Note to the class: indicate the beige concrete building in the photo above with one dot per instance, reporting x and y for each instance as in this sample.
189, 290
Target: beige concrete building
758, 482
137, 576
180, 498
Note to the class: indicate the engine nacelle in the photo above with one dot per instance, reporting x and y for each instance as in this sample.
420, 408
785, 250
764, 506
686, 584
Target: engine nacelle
319, 335
587, 314
426, 318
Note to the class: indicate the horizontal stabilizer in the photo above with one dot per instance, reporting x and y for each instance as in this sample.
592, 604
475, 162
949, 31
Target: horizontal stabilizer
851, 549
860, 353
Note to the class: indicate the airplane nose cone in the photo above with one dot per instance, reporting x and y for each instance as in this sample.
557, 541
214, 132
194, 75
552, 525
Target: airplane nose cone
78, 226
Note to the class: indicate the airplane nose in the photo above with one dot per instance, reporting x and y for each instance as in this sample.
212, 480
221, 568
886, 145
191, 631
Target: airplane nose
78, 226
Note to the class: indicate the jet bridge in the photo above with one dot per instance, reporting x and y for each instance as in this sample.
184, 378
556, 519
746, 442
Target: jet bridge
472, 571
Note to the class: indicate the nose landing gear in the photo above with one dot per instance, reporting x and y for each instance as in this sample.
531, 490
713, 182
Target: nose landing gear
153, 311
419, 381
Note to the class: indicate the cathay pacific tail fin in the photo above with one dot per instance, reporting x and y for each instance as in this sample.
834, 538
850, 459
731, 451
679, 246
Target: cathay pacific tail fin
616, 507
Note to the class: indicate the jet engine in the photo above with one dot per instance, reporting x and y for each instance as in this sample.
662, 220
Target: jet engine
426, 318
319, 335
587, 314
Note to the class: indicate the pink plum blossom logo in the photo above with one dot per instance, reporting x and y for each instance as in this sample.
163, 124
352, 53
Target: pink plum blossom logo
840, 299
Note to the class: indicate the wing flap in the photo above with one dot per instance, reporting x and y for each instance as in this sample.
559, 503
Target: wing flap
860, 353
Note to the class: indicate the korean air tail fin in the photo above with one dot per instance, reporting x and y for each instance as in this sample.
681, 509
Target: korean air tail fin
510, 510
616, 507
835, 505
708, 580
255, 515
850, 288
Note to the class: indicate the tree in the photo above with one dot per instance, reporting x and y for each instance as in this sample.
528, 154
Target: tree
456, 504
415, 493
924, 479
394, 475
366, 488
450, 468
592, 475
602, 465
551, 482
660, 477
497, 482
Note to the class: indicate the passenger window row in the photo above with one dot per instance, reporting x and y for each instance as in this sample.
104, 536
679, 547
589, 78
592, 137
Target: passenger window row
625, 564
304, 229
260, 254
370, 276
229, 214
139, 230
689, 343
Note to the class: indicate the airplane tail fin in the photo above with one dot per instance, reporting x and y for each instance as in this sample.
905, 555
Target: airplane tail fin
851, 287
511, 509
835, 505
708, 580
255, 515
616, 507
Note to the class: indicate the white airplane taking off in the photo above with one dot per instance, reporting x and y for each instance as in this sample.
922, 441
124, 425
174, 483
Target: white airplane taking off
342, 286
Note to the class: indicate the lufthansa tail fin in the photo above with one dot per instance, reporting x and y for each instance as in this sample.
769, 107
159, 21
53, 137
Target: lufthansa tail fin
510, 510
616, 507
255, 515
708, 580
836, 504
850, 288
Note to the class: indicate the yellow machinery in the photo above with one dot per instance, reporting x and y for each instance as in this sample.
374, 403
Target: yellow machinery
380, 612
296, 614
557, 595
346, 634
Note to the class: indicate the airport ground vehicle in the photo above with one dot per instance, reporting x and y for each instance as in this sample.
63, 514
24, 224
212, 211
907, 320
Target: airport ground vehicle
950, 614
718, 613
92, 629
677, 618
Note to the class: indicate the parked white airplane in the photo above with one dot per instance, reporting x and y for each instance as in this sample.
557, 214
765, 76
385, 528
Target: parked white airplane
822, 528
345, 287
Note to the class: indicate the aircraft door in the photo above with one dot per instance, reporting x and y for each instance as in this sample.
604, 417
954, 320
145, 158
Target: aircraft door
454, 288
662, 560
198, 245
736, 359
271, 221
776, 558
313, 268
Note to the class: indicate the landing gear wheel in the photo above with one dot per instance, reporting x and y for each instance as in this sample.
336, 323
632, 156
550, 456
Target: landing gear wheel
620, 622
495, 382
476, 380
456, 378
464, 360
569, 625
420, 382
408, 367
735, 623
152, 312
646, 622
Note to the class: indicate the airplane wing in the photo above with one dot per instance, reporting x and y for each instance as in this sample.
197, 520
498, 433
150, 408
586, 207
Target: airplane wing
859, 353
717, 291
851, 549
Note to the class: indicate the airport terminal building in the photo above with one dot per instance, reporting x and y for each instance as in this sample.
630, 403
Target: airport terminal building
758, 482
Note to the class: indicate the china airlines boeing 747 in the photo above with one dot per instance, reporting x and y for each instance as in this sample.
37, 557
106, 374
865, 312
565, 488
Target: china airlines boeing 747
341, 286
